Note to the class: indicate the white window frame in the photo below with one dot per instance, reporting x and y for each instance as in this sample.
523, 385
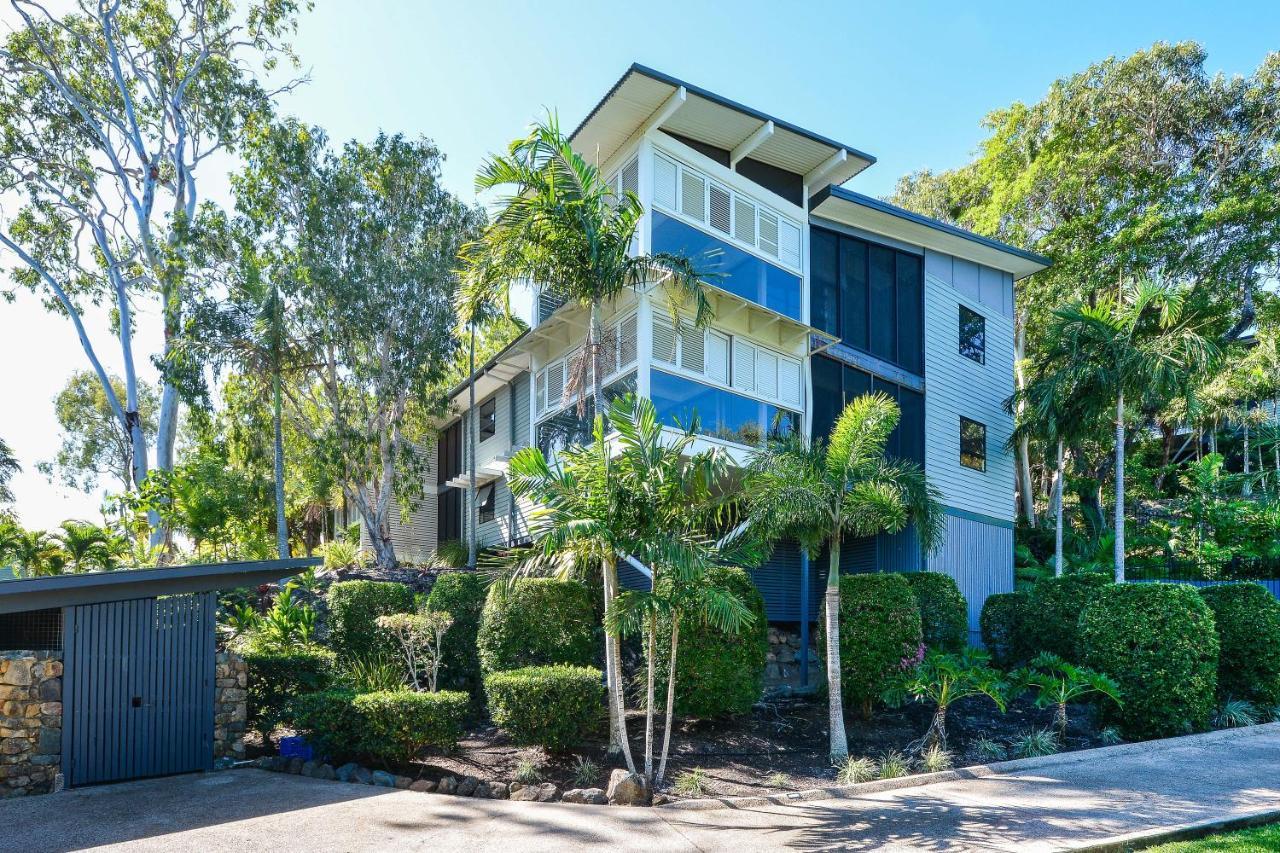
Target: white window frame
546, 409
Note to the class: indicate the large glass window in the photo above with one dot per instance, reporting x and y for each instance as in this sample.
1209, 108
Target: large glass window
835, 385
973, 444
728, 267
567, 427
488, 425
718, 413
486, 497
870, 295
973, 335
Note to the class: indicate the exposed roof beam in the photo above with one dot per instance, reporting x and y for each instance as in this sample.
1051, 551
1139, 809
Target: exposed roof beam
667, 110
822, 170
751, 143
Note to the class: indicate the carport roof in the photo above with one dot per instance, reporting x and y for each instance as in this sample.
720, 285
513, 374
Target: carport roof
19, 596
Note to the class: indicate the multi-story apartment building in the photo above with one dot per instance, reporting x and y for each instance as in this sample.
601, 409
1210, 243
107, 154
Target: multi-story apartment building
821, 294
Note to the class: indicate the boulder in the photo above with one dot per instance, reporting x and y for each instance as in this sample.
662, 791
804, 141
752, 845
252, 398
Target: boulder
362, 776
628, 789
585, 796
403, 783
525, 793
498, 790
309, 768
467, 786
347, 772
325, 772
482, 791
447, 785
422, 786
382, 779
295, 766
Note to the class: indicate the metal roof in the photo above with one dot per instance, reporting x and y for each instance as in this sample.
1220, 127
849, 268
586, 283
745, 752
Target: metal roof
18, 596
716, 120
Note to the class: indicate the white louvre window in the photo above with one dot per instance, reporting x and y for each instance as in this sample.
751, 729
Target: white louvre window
720, 206
630, 177
717, 358
744, 365
541, 394
665, 175
768, 233
766, 374
789, 381
555, 383
664, 341
692, 349
693, 195
627, 342
789, 243
744, 221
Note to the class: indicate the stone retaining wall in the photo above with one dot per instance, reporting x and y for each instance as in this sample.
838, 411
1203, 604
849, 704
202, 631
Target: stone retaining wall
30, 722
230, 706
782, 663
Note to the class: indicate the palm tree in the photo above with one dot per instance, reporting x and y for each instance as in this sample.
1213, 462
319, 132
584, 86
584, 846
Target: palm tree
1141, 345
84, 543
561, 226
35, 554
822, 491
8, 468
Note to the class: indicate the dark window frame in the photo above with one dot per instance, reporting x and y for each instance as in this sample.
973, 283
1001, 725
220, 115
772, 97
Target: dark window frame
976, 461
487, 415
488, 506
967, 347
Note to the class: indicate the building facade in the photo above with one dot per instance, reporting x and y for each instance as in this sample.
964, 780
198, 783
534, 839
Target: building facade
819, 294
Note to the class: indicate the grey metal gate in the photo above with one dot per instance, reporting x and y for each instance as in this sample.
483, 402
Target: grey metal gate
138, 688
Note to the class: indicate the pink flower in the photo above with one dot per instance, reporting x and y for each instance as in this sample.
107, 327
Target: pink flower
912, 659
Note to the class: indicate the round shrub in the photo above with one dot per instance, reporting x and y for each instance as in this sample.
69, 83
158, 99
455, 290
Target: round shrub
879, 630
944, 614
1005, 627
1158, 642
553, 707
461, 595
1247, 617
276, 678
1056, 603
398, 724
354, 608
535, 622
329, 722
718, 673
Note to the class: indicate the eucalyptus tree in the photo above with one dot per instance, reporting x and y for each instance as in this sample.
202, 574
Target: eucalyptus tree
560, 224
9, 467
1139, 349
108, 115
818, 492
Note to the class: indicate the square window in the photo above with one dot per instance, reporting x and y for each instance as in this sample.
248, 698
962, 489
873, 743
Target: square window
489, 418
973, 335
486, 497
973, 444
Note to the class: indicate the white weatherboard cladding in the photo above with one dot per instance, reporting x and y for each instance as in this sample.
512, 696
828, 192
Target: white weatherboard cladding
500, 443
414, 535
496, 532
958, 386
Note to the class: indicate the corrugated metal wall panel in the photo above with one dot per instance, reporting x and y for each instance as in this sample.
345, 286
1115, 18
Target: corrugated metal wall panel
520, 412
779, 582
979, 555
899, 552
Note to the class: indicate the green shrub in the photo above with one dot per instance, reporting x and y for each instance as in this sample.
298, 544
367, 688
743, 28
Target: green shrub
879, 631
1247, 617
1056, 604
535, 622
275, 678
329, 722
398, 724
354, 608
460, 594
1158, 642
717, 673
1004, 624
550, 706
944, 614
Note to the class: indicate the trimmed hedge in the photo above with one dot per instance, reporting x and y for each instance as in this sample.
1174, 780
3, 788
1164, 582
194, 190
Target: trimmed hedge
879, 629
398, 724
1158, 642
354, 608
718, 674
1005, 625
276, 678
461, 595
553, 707
536, 622
944, 614
330, 723
1057, 603
1247, 617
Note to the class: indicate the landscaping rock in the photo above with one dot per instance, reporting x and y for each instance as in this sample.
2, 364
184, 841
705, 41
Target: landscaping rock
403, 783
423, 786
325, 772
524, 793
362, 776
309, 769
295, 766
498, 790
447, 785
585, 796
347, 772
467, 786
382, 779
482, 791
628, 789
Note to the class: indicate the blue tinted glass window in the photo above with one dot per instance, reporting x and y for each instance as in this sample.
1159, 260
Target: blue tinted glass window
716, 412
729, 267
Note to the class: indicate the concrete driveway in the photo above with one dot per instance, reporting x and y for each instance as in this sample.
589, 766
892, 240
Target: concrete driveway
1059, 803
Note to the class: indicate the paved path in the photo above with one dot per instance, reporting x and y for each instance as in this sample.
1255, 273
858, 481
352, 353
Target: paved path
1060, 803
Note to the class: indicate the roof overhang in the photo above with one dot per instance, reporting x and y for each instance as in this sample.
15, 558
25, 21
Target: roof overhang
644, 99
495, 373
879, 217
19, 596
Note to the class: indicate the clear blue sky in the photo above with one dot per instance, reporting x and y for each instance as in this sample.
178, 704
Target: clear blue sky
907, 82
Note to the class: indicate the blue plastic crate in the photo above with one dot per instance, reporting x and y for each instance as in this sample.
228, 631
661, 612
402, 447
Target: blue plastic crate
296, 747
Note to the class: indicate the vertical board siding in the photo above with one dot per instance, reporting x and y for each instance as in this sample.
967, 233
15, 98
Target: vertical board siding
779, 582
979, 556
520, 412
159, 651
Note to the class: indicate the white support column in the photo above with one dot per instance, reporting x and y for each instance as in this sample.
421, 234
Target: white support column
644, 344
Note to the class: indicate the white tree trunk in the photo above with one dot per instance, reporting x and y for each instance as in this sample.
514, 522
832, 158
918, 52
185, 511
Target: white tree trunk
835, 708
1059, 480
652, 652
1119, 544
1247, 488
282, 528
671, 698
613, 674
1025, 493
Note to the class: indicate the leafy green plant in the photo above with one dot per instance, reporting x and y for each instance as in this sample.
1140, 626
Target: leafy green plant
420, 636
1035, 743
1247, 619
527, 771
341, 553
1057, 603
990, 750
276, 677
1110, 736
354, 608
778, 780
936, 759
1006, 623
893, 765
372, 674
585, 772
462, 595
1236, 713
942, 679
240, 620
329, 721
691, 783
308, 580
855, 770
452, 553
398, 724
288, 624
1056, 682
549, 706
536, 622
944, 614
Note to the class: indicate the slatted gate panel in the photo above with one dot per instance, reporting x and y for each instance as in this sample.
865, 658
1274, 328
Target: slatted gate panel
138, 688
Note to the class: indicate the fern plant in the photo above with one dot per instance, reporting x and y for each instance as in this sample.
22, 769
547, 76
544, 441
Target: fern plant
943, 679
1057, 682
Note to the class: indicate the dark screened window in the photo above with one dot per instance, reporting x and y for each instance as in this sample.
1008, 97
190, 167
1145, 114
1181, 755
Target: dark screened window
449, 515
973, 335
486, 496
489, 418
449, 450
973, 444
871, 296
835, 385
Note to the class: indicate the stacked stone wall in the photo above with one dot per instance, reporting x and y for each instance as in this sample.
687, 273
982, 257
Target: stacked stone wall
30, 722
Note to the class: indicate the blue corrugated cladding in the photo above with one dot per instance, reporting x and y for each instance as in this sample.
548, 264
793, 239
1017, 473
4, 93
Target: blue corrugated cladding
979, 555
